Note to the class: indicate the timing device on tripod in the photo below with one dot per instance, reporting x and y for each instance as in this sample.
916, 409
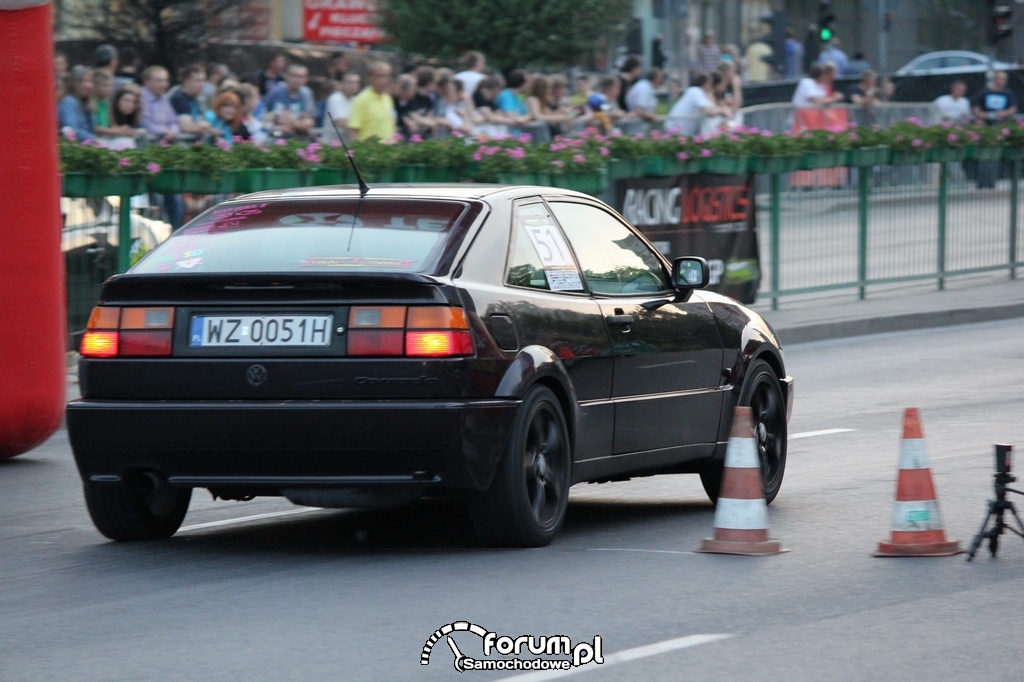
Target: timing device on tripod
999, 506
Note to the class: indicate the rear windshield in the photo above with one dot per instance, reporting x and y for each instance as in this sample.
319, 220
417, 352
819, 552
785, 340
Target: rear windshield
324, 235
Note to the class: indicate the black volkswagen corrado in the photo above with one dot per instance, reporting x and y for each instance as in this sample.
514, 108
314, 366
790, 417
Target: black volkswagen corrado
342, 350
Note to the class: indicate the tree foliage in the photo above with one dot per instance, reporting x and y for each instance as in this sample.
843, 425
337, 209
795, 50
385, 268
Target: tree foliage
169, 32
512, 33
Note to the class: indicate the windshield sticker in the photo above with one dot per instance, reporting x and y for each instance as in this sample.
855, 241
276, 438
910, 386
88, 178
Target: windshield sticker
564, 280
356, 262
226, 218
188, 263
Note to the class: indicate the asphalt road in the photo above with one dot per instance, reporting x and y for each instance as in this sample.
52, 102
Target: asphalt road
318, 595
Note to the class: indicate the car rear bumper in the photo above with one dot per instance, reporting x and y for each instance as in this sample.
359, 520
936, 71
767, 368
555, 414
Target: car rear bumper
265, 447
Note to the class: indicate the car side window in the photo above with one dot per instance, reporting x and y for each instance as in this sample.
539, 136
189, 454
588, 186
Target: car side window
540, 257
614, 260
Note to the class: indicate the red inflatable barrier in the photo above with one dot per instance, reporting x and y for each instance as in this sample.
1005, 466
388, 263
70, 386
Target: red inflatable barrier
32, 306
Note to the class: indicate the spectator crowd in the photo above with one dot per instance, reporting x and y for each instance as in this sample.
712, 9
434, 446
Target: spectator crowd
117, 103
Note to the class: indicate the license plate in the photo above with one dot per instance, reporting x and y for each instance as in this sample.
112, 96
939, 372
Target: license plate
260, 330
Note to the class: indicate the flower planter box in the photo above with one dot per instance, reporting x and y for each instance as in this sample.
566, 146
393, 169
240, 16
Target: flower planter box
512, 178
783, 163
985, 153
589, 183
725, 165
440, 174
250, 180
625, 168
413, 172
80, 185
285, 178
867, 156
675, 166
905, 158
946, 154
1013, 153
179, 181
379, 175
259, 179
330, 176
655, 166
816, 160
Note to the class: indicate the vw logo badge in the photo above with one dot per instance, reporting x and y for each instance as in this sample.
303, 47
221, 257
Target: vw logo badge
256, 374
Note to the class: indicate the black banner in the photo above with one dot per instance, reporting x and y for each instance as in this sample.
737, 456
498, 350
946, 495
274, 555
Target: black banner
712, 216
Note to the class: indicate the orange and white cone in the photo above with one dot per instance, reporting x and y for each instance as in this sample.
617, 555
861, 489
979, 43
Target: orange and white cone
916, 520
741, 515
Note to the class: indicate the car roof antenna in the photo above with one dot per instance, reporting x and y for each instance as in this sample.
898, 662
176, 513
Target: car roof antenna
363, 187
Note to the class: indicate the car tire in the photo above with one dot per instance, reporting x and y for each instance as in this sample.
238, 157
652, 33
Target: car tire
127, 512
526, 503
762, 392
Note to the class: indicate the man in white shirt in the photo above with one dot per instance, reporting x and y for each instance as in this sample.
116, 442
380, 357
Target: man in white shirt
955, 106
642, 99
339, 104
473, 64
696, 104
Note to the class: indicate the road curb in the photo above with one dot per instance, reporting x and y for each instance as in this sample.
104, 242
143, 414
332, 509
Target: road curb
839, 329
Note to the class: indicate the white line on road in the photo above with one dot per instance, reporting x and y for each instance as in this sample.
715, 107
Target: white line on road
244, 519
623, 657
812, 434
652, 551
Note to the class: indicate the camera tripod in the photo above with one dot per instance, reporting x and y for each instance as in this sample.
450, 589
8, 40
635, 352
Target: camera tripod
998, 507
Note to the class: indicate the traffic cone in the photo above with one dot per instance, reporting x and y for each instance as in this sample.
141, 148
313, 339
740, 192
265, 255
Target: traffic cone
916, 520
741, 515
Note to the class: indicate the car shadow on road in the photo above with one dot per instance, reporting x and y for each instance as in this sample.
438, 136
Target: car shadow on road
441, 525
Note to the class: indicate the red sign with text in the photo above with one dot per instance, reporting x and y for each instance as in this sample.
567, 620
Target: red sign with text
340, 21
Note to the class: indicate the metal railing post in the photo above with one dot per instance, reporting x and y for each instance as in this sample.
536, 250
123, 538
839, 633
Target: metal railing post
943, 205
1014, 194
124, 234
864, 194
775, 220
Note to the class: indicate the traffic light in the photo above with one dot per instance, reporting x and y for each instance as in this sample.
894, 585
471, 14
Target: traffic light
1000, 23
825, 21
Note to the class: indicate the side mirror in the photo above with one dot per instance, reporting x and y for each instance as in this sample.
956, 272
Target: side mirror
690, 272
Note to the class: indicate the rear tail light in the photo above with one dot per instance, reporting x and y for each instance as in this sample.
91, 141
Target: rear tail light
128, 332
409, 331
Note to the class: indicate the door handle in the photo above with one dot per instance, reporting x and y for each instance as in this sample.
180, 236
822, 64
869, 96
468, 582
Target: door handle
623, 320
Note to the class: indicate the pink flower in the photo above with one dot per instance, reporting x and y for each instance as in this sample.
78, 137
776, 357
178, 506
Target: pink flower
705, 152
123, 162
682, 156
280, 142
69, 134
224, 144
579, 158
153, 167
604, 151
477, 156
416, 138
917, 143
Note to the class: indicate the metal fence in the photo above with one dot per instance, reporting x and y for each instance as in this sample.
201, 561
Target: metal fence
884, 224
